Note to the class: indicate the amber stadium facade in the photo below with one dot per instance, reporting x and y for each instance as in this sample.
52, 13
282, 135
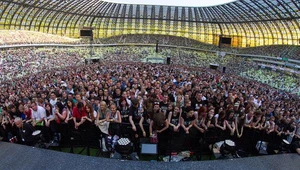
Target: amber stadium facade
249, 23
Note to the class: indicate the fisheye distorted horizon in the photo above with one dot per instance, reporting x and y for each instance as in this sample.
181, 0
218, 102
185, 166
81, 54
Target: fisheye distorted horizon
194, 3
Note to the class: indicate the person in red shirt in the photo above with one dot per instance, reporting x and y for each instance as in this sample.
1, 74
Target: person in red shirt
78, 113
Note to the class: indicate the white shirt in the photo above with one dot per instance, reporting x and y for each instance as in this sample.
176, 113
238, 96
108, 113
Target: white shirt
95, 114
53, 102
39, 113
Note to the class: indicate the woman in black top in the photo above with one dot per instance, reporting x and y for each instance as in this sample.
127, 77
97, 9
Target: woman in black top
124, 110
174, 119
187, 120
230, 124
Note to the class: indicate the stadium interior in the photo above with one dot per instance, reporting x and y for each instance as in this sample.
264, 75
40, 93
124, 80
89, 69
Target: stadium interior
151, 82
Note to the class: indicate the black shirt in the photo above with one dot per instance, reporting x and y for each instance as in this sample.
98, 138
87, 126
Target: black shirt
26, 133
163, 106
187, 120
136, 116
197, 104
175, 119
124, 114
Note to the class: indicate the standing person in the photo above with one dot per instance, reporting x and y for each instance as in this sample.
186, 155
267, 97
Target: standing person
38, 116
124, 110
134, 119
91, 129
114, 117
91, 113
78, 113
69, 108
200, 121
27, 112
102, 124
239, 127
174, 127
174, 119
159, 126
61, 126
230, 124
220, 124
53, 99
187, 121
49, 122
164, 103
101, 118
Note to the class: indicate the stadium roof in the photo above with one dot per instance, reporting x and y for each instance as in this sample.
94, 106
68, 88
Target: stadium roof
251, 22
237, 11
190, 3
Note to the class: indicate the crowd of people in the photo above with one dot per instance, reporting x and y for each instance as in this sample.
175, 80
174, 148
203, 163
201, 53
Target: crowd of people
153, 39
183, 105
15, 63
10, 37
287, 51
24, 61
167, 103
274, 79
14, 37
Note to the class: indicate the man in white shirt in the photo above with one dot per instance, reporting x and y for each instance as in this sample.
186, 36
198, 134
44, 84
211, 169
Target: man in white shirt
38, 114
53, 99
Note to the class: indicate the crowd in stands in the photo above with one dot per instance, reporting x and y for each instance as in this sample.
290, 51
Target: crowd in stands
174, 103
153, 39
21, 62
287, 51
9, 37
274, 79
14, 37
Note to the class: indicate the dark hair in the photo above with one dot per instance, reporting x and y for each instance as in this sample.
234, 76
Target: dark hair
67, 106
123, 99
158, 120
60, 107
48, 113
11, 106
190, 108
80, 105
134, 102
